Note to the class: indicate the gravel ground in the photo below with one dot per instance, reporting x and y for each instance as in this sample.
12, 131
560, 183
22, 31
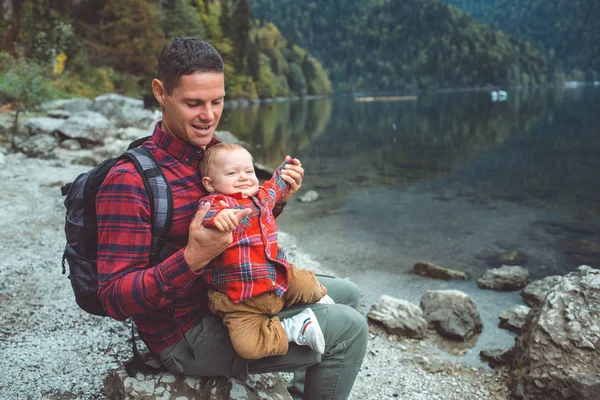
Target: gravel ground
49, 349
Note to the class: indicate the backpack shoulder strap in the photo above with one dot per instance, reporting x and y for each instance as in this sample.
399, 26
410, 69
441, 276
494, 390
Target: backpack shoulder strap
159, 193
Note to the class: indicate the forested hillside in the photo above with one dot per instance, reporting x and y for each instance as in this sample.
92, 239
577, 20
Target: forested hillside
87, 47
403, 44
568, 31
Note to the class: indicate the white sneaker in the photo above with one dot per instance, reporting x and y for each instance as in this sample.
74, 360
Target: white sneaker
326, 300
304, 329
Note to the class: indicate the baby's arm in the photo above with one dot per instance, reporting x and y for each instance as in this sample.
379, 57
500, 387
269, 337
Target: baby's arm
275, 188
222, 215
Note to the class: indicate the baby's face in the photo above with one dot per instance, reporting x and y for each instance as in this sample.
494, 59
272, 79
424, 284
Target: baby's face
232, 171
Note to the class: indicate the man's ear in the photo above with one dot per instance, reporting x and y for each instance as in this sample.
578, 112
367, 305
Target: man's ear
159, 91
207, 182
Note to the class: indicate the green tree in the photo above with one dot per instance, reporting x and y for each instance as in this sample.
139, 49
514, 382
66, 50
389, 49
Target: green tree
240, 21
130, 37
225, 18
296, 80
37, 29
180, 18
253, 59
24, 83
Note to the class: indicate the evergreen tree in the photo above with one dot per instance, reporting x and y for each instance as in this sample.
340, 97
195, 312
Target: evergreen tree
180, 18
130, 37
240, 24
225, 18
253, 58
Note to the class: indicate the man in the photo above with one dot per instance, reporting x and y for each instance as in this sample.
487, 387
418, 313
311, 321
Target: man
168, 300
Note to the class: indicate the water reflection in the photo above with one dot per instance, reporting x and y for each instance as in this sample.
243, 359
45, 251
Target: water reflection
521, 146
553, 163
276, 129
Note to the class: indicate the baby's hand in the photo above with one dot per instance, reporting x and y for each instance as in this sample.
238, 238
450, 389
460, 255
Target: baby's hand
227, 220
292, 174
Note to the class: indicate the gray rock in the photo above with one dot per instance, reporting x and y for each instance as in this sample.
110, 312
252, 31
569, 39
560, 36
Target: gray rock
398, 317
453, 313
119, 386
309, 196
43, 125
535, 293
123, 111
87, 126
558, 352
505, 278
497, 357
73, 105
514, 318
37, 146
434, 271
114, 100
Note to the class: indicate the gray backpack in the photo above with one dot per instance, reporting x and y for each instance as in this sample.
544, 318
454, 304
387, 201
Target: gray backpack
81, 227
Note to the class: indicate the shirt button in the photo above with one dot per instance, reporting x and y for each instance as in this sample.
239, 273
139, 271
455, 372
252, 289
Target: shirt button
273, 283
187, 160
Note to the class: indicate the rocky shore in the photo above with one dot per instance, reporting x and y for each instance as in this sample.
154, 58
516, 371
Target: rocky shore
52, 350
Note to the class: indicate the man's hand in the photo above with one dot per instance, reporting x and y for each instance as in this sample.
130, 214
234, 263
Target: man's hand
292, 174
204, 244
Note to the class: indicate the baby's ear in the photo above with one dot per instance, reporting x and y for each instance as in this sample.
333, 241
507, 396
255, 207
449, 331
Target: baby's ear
207, 182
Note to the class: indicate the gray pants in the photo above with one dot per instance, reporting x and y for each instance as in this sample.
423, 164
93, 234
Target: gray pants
327, 376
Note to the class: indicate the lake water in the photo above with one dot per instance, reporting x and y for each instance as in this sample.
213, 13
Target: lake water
449, 178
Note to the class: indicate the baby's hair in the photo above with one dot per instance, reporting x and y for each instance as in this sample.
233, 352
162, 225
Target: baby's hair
210, 153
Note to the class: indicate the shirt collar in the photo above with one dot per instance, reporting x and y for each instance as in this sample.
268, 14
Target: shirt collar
238, 195
178, 148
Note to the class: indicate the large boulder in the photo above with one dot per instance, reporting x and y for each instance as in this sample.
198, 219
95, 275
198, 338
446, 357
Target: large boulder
86, 126
398, 317
165, 386
452, 313
74, 105
41, 145
43, 125
535, 293
124, 111
558, 352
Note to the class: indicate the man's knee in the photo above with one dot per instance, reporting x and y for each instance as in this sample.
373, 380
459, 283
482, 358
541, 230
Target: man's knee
348, 326
342, 291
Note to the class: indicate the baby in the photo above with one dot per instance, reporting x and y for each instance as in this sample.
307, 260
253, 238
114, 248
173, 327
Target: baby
252, 280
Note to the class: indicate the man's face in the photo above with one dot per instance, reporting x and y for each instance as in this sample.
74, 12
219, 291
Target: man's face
193, 109
232, 171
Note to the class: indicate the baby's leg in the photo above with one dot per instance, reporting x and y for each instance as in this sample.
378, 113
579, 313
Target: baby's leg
303, 287
254, 333
256, 336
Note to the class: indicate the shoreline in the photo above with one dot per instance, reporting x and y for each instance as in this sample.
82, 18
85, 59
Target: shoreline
57, 340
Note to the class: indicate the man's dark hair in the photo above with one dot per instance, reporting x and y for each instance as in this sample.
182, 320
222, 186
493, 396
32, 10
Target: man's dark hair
184, 56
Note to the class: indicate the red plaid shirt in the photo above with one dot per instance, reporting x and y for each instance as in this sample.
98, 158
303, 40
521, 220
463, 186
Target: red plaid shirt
253, 264
163, 299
